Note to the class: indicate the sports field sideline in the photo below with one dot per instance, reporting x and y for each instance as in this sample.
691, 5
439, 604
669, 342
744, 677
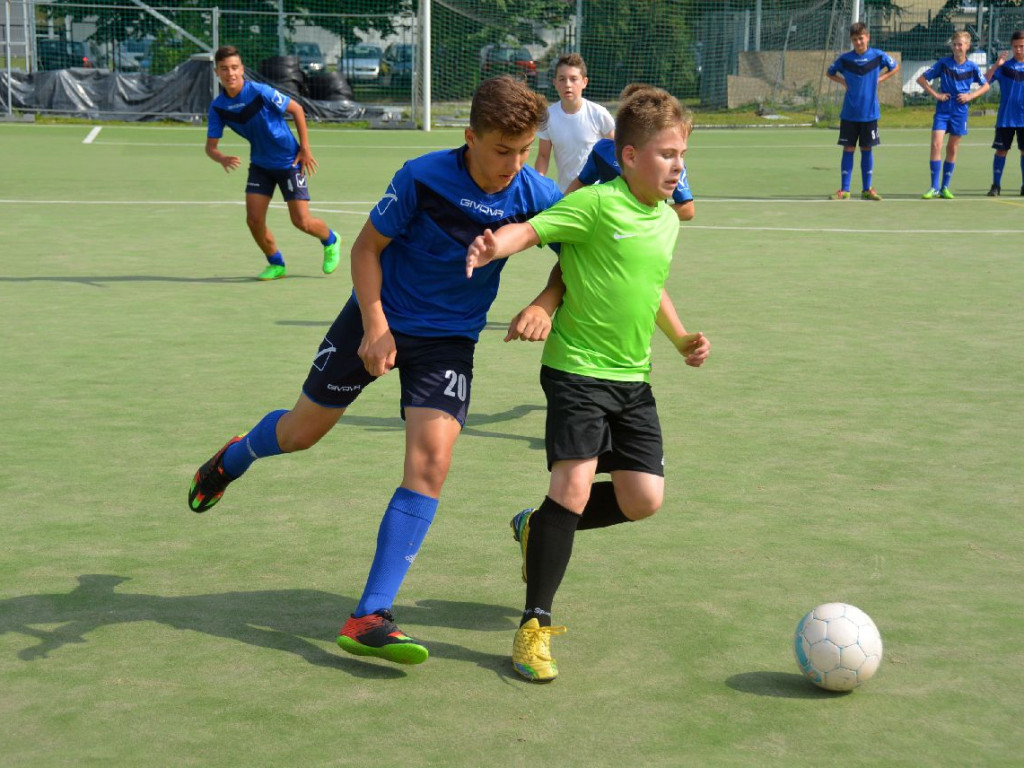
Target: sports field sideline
855, 436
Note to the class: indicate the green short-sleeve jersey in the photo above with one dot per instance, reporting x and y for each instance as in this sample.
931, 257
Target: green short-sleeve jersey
615, 256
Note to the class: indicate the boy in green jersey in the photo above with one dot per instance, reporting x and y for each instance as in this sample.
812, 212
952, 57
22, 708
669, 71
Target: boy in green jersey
617, 240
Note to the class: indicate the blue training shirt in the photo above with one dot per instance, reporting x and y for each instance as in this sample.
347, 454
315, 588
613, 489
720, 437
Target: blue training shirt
603, 166
257, 115
432, 210
954, 79
1010, 77
861, 72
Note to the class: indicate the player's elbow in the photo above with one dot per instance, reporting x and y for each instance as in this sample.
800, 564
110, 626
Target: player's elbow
685, 212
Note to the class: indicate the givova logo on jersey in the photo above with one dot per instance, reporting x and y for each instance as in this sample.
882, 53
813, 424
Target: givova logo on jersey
279, 99
385, 202
483, 208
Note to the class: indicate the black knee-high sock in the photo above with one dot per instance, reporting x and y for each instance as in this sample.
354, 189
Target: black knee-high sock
548, 550
602, 509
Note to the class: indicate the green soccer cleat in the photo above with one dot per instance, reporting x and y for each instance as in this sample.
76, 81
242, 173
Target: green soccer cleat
945, 194
870, 194
931, 194
272, 272
332, 255
210, 480
842, 194
376, 634
520, 525
531, 652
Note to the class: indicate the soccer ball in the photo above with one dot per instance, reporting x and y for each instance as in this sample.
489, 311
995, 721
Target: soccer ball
837, 646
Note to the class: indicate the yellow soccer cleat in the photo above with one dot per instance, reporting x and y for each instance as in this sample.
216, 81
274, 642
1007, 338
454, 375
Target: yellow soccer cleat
531, 652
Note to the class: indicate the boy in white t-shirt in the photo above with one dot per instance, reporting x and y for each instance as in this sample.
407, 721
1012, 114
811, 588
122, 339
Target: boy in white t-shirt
574, 123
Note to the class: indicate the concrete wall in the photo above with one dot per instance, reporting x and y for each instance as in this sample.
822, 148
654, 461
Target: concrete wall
764, 76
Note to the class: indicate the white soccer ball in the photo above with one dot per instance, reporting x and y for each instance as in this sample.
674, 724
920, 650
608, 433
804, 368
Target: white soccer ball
837, 646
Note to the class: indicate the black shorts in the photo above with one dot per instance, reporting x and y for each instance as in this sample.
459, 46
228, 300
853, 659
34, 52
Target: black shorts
434, 372
614, 421
291, 182
1004, 139
852, 133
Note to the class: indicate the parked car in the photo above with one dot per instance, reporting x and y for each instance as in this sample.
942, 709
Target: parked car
133, 55
361, 63
311, 59
396, 67
509, 60
57, 53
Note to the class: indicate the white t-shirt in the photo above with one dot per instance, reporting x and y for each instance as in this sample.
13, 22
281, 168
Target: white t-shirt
573, 136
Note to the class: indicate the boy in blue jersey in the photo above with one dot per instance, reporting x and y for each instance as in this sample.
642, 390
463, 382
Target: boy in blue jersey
617, 242
1009, 73
603, 166
412, 309
956, 76
256, 112
860, 72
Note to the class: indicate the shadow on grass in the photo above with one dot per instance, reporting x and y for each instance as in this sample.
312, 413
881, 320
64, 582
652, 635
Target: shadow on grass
473, 423
782, 685
98, 281
276, 619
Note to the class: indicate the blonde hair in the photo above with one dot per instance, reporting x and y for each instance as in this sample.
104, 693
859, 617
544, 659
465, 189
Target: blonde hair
645, 113
961, 34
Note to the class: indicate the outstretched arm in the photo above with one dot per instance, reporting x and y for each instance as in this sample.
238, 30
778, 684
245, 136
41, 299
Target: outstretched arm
512, 238
228, 162
694, 346
533, 323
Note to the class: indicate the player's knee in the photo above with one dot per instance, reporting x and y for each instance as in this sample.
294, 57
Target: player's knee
638, 509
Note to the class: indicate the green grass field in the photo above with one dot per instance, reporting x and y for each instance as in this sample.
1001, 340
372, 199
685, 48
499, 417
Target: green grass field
855, 436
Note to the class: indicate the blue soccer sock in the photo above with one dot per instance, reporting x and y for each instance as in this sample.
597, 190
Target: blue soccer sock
276, 258
1022, 171
867, 167
402, 530
331, 238
998, 163
260, 442
947, 172
936, 168
846, 171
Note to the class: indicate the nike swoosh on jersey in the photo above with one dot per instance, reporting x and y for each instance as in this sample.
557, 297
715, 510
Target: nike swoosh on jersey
623, 236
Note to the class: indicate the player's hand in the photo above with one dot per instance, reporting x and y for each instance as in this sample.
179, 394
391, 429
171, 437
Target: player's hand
377, 351
962, 98
1003, 56
230, 162
532, 324
305, 160
481, 252
695, 348
946, 97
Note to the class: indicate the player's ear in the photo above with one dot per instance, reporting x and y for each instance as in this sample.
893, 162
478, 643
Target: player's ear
629, 155
470, 136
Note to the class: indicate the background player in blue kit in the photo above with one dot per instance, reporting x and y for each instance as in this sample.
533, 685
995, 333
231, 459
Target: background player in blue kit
412, 309
603, 166
256, 112
1009, 73
860, 72
956, 76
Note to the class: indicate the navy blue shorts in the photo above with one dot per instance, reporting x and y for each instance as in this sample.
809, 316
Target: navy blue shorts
613, 421
1004, 139
433, 372
291, 182
852, 133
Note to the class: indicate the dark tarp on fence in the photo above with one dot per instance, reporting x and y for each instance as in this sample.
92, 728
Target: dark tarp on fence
183, 94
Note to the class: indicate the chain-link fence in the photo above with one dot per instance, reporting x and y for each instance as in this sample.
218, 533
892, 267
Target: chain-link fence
714, 54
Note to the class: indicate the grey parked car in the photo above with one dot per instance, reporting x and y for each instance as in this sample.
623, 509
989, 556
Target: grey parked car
361, 63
